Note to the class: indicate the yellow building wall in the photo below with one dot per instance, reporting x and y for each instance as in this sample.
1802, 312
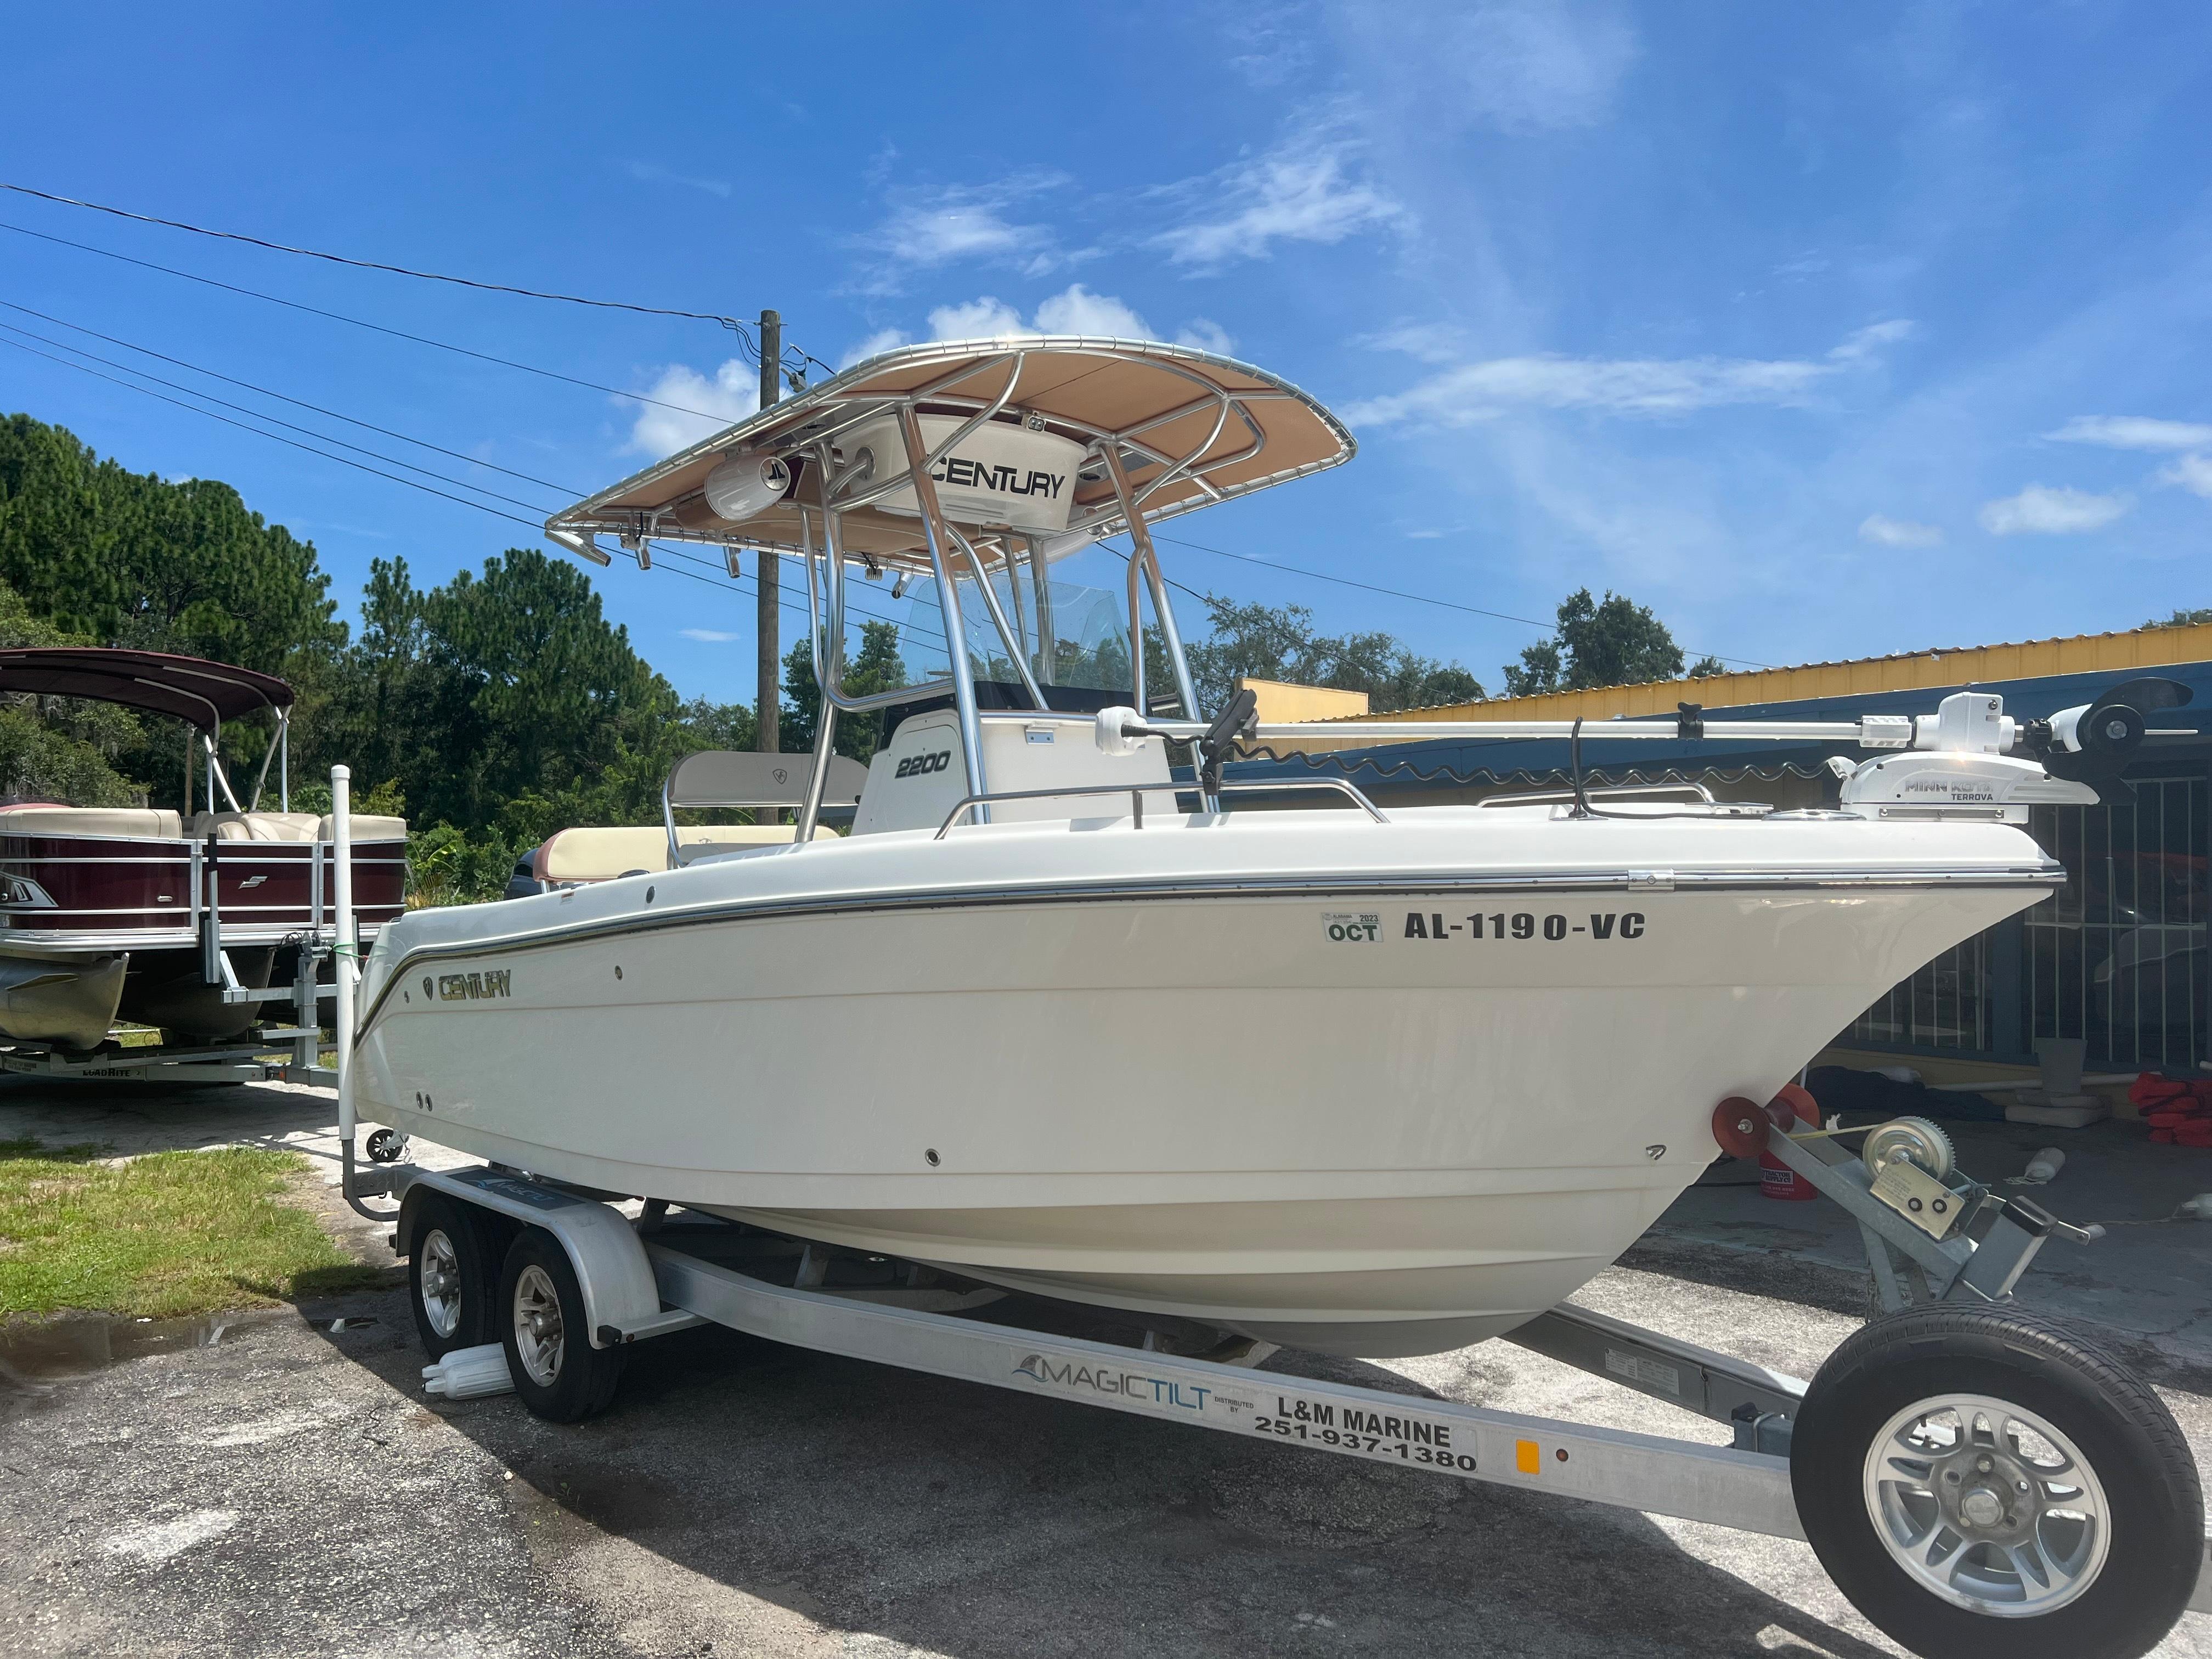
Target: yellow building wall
2142, 647
1280, 702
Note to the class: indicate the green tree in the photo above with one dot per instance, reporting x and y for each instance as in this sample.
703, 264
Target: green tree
2184, 618
505, 698
1258, 642
876, 666
132, 559
1608, 642
116, 557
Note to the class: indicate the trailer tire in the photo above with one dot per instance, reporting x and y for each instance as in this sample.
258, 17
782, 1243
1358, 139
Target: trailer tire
452, 1274
546, 1331
1973, 1552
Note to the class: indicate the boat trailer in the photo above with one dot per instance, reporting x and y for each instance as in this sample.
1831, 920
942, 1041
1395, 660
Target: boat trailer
523, 1282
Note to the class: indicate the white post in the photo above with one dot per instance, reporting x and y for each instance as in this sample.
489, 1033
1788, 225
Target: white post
343, 958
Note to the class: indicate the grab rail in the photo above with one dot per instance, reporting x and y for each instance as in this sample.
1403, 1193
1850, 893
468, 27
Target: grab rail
1137, 791
1607, 791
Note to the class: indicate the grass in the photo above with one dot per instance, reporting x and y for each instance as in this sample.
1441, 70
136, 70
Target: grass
163, 1235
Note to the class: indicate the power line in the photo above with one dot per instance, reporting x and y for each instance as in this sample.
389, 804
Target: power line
529, 523
390, 460
1397, 593
731, 323
1203, 598
242, 426
340, 317
265, 391
752, 348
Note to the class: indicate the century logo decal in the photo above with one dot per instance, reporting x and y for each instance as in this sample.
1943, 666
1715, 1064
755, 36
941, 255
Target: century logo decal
1009, 481
1099, 1379
477, 985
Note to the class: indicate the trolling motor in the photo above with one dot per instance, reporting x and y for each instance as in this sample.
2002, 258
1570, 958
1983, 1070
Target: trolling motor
1956, 763
2093, 744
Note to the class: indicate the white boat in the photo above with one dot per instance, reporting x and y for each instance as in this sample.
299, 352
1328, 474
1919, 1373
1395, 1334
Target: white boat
1363, 1082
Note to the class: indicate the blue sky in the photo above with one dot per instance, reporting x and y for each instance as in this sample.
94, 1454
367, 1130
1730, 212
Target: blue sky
1825, 331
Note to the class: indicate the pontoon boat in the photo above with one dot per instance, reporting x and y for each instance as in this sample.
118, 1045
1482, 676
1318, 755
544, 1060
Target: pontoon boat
141, 914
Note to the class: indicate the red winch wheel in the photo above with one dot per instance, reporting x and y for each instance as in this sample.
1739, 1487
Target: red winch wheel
1739, 1126
1792, 1105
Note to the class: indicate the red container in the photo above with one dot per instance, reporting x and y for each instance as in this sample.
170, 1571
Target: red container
1776, 1178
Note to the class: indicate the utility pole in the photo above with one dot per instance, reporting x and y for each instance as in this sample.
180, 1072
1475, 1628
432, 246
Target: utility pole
771, 660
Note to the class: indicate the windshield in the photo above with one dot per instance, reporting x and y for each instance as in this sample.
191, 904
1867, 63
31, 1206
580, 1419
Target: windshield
1089, 630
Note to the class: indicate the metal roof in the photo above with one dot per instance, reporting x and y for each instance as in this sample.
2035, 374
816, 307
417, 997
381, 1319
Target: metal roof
1948, 668
1418, 764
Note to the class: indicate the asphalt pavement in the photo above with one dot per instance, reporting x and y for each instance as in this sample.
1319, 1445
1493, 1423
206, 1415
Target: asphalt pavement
288, 1489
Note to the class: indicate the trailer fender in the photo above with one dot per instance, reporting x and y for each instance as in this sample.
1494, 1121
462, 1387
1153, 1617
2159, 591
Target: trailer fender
613, 1269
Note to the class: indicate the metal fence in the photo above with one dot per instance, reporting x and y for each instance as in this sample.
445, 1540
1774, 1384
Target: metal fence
2118, 956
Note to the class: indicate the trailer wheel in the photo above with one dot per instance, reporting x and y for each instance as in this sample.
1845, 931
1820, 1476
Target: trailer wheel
559, 1374
1985, 1483
450, 1275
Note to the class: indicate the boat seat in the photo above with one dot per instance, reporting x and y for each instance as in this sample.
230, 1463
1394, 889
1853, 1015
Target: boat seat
296, 827
137, 823
604, 853
363, 826
254, 826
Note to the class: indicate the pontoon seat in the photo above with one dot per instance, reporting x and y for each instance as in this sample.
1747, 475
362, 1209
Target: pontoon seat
297, 826
254, 826
364, 826
602, 855
137, 823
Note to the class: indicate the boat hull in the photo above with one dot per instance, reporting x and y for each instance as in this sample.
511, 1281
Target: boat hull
1319, 1110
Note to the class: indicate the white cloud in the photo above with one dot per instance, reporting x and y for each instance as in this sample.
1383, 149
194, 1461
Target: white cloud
1074, 310
1077, 310
1206, 335
987, 318
2039, 510
1528, 65
1645, 386
708, 635
1899, 533
1274, 52
2193, 473
881, 341
1864, 345
732, 394
1427, 342
2133, 432
647, 172
1302, 191
964, 223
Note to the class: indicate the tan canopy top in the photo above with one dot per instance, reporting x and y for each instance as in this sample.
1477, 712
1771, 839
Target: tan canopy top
1191, 429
